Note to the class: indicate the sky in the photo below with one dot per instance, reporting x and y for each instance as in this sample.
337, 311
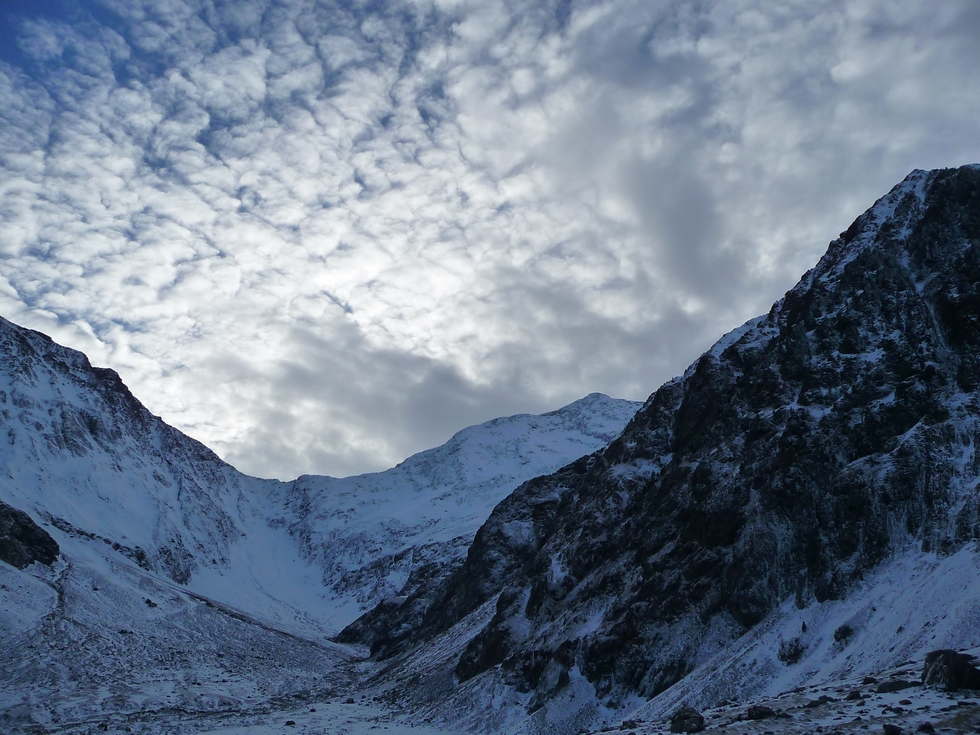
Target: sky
322, 235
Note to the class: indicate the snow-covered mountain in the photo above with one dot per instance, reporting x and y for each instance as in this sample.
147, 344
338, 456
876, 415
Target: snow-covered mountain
165, 556
800, 472
796, 513
374, 534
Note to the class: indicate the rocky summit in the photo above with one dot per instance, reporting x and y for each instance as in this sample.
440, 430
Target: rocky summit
790, 462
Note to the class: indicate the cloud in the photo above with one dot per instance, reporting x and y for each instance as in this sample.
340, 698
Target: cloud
321, 236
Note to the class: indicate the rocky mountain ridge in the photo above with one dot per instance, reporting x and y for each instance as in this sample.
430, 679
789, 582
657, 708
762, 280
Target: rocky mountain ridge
792, 460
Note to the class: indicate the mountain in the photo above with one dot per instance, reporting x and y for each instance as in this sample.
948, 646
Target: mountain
136, 562
762, 520
374, 534
794, 514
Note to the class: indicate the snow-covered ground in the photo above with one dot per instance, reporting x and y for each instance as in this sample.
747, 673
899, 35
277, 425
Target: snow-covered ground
97, 644
848, 704
105, 646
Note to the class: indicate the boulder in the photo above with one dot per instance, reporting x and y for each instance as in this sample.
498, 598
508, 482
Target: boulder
687, 719
893, 685
759, 712
950, 670
817, 702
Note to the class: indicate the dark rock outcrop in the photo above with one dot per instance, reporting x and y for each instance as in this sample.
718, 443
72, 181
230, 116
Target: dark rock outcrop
950, 670
759, 712
790, 460
893, 685
687, 719
22, 541
824, 699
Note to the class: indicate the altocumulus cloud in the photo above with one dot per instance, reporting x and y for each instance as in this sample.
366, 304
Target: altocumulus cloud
319, 236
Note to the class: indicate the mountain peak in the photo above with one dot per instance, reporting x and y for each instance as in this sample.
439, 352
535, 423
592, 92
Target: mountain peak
794, 458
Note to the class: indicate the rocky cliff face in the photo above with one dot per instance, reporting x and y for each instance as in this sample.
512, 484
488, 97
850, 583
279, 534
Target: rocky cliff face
790, 460
22, 541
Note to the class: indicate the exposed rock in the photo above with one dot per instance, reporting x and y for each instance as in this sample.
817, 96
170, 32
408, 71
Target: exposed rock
854, 695
22, 541
891, 729
791, 651
893, 685
950, 670
822, 699
687, 719
760, 712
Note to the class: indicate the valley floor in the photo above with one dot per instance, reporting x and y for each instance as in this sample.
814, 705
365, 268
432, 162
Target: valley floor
98, 645
313, 717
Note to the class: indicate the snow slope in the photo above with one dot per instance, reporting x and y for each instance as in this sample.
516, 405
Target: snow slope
185, 589
914, 603
86, 460
369, 532
849, 703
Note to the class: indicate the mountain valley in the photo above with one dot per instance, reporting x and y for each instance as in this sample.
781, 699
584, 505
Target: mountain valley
793, 517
